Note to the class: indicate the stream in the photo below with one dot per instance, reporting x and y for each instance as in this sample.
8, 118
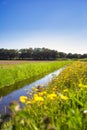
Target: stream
14, 95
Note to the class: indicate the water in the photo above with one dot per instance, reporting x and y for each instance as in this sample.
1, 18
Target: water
7, 99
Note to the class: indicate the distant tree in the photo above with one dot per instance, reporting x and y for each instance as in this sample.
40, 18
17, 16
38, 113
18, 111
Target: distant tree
12, 54
76, 56
70, 55
36, 54
30, 53
84, 56
61, 55
54, 54
23, 54
4, 54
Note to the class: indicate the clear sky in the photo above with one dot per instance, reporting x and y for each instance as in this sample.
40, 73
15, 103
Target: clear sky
54, 24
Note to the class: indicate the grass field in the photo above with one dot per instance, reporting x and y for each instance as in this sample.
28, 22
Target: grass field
14, 71
60, 106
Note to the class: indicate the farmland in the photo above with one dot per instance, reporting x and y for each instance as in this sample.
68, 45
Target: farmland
60, 106
15, 71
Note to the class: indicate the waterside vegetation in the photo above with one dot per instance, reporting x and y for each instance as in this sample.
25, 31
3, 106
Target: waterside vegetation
12, 73
60, 106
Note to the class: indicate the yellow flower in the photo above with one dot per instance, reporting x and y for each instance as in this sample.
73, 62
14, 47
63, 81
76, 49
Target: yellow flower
65, 90
64, 97
23, 99
28, 102
42, 93
52, 96
82, 85
54, 88
35, 95
37, 98
85, 86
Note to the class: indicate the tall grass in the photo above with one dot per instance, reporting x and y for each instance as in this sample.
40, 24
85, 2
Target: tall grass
60, 106
10, 74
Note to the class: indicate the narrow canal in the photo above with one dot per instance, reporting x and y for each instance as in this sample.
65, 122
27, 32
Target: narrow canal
14, 95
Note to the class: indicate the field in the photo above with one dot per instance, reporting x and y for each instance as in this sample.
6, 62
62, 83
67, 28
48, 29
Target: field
15, 71
60, 106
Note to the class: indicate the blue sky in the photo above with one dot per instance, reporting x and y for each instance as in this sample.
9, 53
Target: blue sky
55, 24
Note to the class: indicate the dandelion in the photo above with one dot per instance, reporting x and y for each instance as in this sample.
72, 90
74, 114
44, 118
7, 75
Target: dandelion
23, 99
64, 97
52, 96
54, 88
82, 85
65, 90
85, 86
42, 93
28, 102
38, 98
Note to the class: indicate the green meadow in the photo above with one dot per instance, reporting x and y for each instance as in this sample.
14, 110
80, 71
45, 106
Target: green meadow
60, 106
13, 72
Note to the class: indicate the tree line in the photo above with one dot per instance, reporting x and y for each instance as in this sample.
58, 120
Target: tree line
36, 54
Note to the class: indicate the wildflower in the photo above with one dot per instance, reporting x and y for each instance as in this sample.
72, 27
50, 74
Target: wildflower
23, 99
14, 106
85, 86
37, 98
28, 102
85, 112
82, 85
52, 96
54, 88
64, 97
65, 90
42, 93
17, 108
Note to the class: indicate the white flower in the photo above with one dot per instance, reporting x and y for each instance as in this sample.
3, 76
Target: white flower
85, 111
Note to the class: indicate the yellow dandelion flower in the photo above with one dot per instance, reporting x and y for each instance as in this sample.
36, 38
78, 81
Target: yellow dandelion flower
82, 85
42, 93
64, 97
52, 96
85, 86
54, 88
23, 99
37, 98
35, 95
65, 90
28, 102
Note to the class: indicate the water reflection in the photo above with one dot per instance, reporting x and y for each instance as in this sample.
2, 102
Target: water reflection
6, 90
14, 95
